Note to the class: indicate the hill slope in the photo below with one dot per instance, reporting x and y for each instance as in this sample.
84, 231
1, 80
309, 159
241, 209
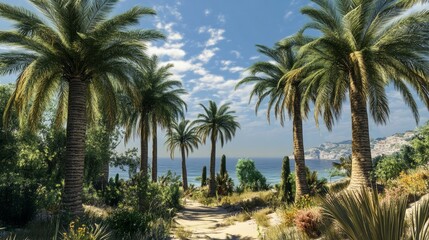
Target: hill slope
379, 146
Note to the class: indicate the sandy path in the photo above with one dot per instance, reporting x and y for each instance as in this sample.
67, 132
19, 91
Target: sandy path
203, 222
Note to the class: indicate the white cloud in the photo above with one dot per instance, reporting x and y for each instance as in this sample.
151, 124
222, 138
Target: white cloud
216, 35
237, 54
207, 54
236, 69
166, 50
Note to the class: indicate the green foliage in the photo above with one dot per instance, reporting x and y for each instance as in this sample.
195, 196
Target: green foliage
204, 177
114, 191
316, 185
361, 215
224, 184
145, 208
77, 231
128, 222
249, 177
285, 184
18, 199
344, 167
222, 171
389, 167
129, 159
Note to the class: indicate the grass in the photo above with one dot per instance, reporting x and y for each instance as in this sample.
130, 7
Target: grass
182, 234
261, 217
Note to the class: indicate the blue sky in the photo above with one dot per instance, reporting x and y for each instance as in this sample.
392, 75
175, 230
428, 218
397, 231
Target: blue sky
211, 43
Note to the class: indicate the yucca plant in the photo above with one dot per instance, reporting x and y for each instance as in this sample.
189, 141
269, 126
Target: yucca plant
361, 215
420, 221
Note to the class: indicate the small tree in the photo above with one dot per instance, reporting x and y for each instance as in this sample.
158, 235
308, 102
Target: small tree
204, 177
250, 178
223, 166
285, 184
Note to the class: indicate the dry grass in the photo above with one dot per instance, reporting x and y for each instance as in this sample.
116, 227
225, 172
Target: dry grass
182, 234
261, 217
95, 212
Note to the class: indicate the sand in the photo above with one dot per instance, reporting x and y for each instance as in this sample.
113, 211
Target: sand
205, 222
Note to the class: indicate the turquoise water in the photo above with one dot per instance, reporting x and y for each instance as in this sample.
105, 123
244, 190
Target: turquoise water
269, 167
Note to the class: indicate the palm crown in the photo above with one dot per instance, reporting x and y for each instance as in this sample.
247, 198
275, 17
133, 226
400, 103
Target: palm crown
182, 135
217, 123
364, 42
75, 39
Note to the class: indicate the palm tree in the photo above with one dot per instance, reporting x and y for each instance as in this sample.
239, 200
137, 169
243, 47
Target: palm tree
218, 124
364, 46
156, 101
182, 135
283, 93
76, 56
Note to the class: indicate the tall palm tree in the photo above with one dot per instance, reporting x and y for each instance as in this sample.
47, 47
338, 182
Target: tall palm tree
364, 46
283, 93
156, 101
182, 135
76, 55
218, 124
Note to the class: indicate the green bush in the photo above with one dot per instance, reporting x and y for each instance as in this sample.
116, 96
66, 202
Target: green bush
285, 187
204, 177
128, 222
18, 199
224, 184
389, 167
249, 177
114, 191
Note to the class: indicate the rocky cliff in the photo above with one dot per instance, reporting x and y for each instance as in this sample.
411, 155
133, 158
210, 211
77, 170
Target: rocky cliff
379, 146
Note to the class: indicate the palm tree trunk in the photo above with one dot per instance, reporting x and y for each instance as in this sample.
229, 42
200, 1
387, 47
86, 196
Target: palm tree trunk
144, 144
212, 184
361, 148
298, 150
184, 172
75, 146
154, 150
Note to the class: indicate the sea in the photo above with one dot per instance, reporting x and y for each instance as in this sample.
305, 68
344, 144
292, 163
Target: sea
269, 167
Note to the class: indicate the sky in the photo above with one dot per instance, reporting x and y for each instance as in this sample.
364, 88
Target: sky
211, 43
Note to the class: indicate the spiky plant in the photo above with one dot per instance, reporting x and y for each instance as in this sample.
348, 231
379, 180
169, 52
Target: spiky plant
76, 54
361, 215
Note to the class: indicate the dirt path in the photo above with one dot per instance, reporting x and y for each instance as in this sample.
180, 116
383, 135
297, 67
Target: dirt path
205, 223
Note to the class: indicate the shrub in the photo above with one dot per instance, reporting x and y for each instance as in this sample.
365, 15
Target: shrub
90, 195
114, 192
224, 184
308, 221
261, 217
18, 199
128, 222
249, 177
389, 167
78, 231
204, 177
415, 182
285, 184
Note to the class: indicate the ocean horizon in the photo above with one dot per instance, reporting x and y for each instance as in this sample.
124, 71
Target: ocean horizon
269, 167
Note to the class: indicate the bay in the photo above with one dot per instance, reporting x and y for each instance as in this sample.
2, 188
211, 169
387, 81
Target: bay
269, 167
